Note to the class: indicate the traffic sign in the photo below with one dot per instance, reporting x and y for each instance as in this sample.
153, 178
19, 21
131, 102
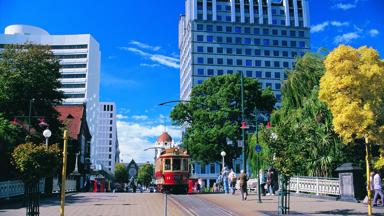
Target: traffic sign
258, 148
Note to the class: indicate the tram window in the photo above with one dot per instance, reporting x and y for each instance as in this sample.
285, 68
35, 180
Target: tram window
167, 164
185, 164
176, 164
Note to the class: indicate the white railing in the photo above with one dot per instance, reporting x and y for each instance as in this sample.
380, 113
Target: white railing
15, 188
70, 185
316, 185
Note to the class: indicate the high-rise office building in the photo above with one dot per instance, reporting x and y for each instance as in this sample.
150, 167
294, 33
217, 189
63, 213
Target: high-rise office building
107, 146
80, 65
259, 38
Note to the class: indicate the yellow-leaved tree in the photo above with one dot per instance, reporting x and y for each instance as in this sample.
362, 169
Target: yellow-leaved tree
353, 89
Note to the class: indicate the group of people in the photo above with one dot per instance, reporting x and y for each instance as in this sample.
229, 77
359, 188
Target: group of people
228, 180
376, 188
268, 181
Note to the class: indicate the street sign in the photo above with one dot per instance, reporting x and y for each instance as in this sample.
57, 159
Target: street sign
258, 148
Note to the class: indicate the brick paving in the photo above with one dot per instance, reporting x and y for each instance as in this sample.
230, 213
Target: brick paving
299, 205
103, 204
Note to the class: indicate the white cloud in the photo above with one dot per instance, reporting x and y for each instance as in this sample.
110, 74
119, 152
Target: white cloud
140, 117
121, 116
158, 58
111, 80
345, 6
134, 138
149, 65
144, 45
346, 38
321, 27
373, 32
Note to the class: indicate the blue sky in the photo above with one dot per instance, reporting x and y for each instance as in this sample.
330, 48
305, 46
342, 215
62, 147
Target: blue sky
138, 42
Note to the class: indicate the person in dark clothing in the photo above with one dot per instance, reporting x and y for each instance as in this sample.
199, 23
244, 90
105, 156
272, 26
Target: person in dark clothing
243, 178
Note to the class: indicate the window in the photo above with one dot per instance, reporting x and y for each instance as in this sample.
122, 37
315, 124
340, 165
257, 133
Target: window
248, 63
176, 164
219, 39
256, 31
220, 61
274, 12
249, 73
266, 42
239, 51
219, 50
209, 38
285, 53
276, 53
220, 72
212, 168
267, 53
73, 75
301, 44
285, 64
239, 62
228, 18
276, 64
167, 164
202, 169
229, 39
228, 29
109, 156
218, 7
267, 63
292, 33
72, 85
200, 71
229, 50
229, 62
200, 27
278, 97
257, 52
210, 72
200, 49
277, 86
265, 31
110, 149
268, 85
282, 22
275, 43
219, 28
248, 52
200, 38
73, 66
237, 29
257, 41
274, 32
258, 74
209, 60
210, 49
209, 28
199, 82
247, 30
294, 54
238, 40
277, 75
293, 43
284, 43
284, 32
275, 22
258, 63
247, 40
200, 60
268, 74
229, 71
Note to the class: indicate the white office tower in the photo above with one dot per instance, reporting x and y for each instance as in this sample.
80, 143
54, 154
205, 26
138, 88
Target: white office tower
106, 151
80, 65
259, 38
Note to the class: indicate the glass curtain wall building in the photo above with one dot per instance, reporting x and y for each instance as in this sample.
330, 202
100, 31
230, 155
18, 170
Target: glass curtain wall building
260, 38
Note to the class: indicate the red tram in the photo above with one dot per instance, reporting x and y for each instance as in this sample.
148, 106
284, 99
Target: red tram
172, 171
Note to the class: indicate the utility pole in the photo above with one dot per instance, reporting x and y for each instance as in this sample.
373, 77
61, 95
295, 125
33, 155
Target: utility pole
242, 120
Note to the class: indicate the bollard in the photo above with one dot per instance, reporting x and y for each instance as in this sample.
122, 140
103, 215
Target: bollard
64, 172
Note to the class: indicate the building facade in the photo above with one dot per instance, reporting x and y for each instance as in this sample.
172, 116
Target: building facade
106, 151
80, 65
258, 38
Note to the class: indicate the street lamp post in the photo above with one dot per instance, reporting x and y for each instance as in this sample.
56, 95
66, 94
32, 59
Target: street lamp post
223, 155
243, 120
47, 133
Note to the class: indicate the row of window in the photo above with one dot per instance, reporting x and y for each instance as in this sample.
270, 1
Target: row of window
249, 30
72, 85
176, 164
73, 65
79, 46
257, 74
247, 51
71, 56
108, 107
242, 62
250, 41
74, 95
68, 76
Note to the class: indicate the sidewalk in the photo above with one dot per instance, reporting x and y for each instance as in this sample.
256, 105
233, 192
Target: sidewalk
299, 205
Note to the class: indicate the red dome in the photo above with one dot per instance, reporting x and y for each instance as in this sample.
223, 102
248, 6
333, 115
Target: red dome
165, 137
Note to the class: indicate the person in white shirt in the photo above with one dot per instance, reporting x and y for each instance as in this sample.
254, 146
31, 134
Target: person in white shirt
378, 189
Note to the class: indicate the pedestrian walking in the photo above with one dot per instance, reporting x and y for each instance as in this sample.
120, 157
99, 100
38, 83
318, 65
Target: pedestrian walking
378, 189
243, 178
225, 174
232, 181
263, 181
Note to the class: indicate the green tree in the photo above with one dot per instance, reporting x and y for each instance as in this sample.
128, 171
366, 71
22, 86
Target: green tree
352, 88
30, 73
214, 114
121, 173
145, 174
